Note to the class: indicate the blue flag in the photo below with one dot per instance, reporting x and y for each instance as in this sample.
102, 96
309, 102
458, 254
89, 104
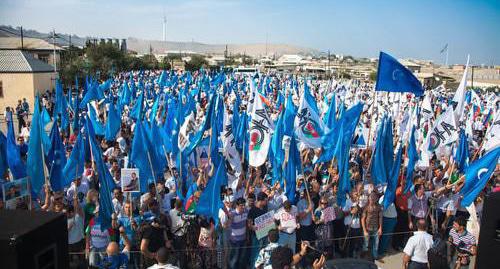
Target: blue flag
462, 152
343, 132
412, 160
56, 160
61, 106
3, 154
141, 156
76, 163
113, 124
16, 165
210, 200
477, 175
392, 182
383, 157
292, 166
138, 110
331, 114
106, 183
34, 163
90, 95
98, 126
392, 76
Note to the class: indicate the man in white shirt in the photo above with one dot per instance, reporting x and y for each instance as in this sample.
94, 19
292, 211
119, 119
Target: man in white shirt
81, 187
162, 258
415, 251
287, 224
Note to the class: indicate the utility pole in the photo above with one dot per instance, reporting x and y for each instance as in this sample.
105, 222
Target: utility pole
472, 77
328, 70
22, 39
54, 44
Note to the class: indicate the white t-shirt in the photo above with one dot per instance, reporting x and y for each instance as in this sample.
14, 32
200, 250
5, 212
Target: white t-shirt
177, 222
288, 220
75, 229
418, 245
82, 191
163, 266
170, 183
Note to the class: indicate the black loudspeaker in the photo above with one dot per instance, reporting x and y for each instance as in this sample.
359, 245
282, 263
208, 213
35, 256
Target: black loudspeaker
33, 239
489, 233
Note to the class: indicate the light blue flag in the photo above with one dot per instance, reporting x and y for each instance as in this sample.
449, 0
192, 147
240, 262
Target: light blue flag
16, 165
142, 156
90, 95
210, 200
276, 149
3, 154
106, 183
379, 171
76, 163
137, 111
113, 124
154, 110
477, 175
345, 127
61, 106
44, 121
292, 166
56, 160
392, 182
412, 160
462, 152
34, 163
331, 114
98, 126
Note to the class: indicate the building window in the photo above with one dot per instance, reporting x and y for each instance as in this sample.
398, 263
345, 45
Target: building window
44, 57
1, 89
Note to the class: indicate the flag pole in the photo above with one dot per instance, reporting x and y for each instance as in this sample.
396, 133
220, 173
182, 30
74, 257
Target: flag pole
374, 104
152, 169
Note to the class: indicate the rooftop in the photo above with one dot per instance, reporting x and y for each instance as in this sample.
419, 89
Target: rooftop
17, 61
28, 43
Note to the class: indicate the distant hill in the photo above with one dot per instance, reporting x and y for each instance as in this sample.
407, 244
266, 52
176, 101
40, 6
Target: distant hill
142, 46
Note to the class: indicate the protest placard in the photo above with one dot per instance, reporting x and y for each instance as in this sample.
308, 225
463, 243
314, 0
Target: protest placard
264, 224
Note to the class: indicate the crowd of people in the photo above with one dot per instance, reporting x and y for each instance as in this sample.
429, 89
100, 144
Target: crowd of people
162, 227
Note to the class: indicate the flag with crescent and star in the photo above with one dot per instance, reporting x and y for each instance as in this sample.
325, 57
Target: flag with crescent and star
477, 175
392, 76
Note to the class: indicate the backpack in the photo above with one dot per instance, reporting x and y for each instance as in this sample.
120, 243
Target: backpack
437, 254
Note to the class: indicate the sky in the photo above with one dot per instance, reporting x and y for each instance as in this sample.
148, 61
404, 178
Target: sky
405, 29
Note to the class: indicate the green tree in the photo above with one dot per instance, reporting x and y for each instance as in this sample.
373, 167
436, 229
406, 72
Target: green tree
373, 75
106, 59
196, 62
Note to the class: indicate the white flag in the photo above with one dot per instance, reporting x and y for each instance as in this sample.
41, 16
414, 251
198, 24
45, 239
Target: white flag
426, 110
308, 125
444, 130
493, 134
260, 131
459, 97
228, 143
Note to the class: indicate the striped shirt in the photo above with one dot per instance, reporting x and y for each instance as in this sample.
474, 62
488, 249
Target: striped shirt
238, 225
464, 241
418, 206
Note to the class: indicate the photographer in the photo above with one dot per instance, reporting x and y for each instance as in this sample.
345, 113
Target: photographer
153, 238
178, 231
